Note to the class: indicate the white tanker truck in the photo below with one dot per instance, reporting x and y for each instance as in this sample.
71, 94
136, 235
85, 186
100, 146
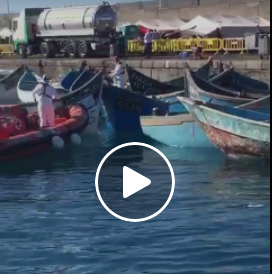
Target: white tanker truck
73, 31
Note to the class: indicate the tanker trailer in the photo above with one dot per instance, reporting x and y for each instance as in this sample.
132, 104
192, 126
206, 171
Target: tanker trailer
73, 31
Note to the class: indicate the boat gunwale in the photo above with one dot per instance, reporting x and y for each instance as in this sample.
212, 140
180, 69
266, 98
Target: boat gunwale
204, 106
174, 120
213, 95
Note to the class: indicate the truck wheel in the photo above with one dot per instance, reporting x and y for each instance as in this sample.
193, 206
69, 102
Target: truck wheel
84, 49
72, 50
47, 50
22, 51
29, 51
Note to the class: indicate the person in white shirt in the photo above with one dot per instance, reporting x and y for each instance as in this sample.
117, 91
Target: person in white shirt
119, 74
44, 94
148, 40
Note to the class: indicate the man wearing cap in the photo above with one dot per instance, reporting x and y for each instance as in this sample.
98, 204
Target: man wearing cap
44, 94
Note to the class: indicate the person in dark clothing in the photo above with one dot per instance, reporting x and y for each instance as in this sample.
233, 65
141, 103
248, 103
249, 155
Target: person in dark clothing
122, 47
112, 44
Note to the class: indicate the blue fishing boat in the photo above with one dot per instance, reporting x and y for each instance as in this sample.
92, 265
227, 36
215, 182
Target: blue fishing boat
73, 81
249, 88
202, 90
147, 86
70, 78
237, 132
11, 80
178, 130
142, 84
88, 95
124, 108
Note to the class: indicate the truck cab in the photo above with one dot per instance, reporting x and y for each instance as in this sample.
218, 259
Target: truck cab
24, 28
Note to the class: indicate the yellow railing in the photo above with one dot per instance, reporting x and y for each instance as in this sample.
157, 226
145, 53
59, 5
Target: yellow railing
135, 46
234, 45
215, 45
6, 49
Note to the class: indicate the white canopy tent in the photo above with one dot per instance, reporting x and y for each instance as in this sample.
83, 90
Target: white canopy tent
205, 25
161, 25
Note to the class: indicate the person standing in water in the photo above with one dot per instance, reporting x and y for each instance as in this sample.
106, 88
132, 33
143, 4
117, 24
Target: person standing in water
118, 74
44, 94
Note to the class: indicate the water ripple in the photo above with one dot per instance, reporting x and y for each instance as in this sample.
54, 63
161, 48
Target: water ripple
51, 221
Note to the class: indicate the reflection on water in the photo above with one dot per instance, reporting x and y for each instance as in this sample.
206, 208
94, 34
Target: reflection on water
52, 222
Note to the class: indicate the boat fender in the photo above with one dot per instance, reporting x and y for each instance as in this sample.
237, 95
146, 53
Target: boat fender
57, 142
75, 139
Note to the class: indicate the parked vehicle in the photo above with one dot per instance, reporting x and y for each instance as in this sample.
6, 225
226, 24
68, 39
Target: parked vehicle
72, 31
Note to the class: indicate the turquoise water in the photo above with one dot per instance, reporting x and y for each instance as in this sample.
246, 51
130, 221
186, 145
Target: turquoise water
51, 221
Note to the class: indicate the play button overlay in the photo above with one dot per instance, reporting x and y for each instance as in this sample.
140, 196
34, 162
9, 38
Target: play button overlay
135, 182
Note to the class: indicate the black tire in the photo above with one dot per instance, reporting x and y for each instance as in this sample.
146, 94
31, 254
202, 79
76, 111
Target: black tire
72, 50
30, 51
22, 51
47, 50
83, 49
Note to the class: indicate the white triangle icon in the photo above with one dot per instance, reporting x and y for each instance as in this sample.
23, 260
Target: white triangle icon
133, 182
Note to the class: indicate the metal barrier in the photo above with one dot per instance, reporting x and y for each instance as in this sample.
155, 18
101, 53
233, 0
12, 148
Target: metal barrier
211, 44
234, 45
6, 49
215, 45
162, 46
175, 45
135, 46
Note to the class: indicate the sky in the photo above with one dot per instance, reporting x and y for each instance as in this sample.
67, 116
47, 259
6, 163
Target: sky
17, 5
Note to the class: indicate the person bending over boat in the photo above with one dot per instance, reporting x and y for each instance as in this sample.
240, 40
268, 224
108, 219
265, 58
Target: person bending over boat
44, 94
119, 74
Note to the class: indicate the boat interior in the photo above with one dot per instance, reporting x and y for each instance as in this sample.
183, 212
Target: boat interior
16, 120
242, 113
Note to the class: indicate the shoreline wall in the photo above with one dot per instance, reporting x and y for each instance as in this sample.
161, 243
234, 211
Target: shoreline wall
162, 70
183, 9
189, 9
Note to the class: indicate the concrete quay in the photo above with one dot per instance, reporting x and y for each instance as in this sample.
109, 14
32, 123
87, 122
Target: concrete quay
162, 70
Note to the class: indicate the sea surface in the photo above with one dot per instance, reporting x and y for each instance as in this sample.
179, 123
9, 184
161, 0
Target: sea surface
51, 221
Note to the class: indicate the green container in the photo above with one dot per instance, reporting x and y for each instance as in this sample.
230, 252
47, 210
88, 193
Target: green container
130, 32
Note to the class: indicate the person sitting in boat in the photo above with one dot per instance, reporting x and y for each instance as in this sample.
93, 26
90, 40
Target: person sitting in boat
44, 94
119, 74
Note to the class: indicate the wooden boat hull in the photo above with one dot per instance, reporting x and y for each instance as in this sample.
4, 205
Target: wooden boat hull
201, 90
88, 95
179, 130
69, 79
124, 108
10, 81
234, 145
235, 132
147, 86
249, 87
36, 141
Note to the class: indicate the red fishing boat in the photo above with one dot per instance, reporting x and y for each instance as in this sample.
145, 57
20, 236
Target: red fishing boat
21, 136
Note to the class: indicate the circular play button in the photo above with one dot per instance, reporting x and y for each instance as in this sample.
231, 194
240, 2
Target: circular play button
135, 182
